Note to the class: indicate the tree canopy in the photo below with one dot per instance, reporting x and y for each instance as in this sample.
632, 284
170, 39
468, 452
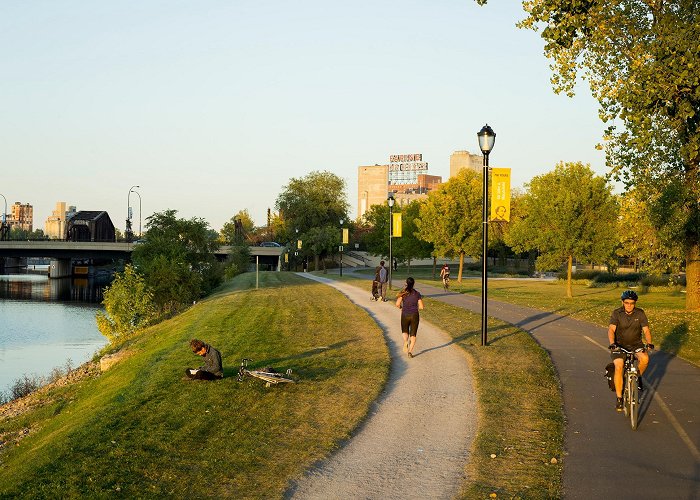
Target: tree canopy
568, 213
450, 218
310, 209
177, 259
642, 61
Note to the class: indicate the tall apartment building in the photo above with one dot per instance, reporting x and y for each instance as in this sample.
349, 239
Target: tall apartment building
21, 216
404, 176
464, 159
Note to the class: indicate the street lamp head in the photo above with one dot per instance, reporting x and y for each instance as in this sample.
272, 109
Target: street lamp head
391, 200
487, 138
341, 222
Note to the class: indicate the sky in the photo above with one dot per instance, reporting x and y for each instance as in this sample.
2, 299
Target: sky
211, 107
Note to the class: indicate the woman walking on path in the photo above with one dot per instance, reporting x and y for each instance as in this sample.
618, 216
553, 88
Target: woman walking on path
409, 301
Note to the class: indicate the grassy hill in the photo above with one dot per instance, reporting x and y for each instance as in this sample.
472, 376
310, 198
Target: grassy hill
142, 429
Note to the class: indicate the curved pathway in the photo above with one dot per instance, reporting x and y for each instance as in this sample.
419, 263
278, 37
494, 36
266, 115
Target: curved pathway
604, 457
415, 442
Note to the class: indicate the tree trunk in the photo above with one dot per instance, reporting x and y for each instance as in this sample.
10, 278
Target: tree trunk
408, 266
569, 265
692, 278
316, 262
461, 266
434, 266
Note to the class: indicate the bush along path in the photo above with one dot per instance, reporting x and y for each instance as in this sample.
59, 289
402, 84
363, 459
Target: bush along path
604, 457
416, 440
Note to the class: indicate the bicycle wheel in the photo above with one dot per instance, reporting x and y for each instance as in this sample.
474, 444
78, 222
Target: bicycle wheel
626, 397
633, 401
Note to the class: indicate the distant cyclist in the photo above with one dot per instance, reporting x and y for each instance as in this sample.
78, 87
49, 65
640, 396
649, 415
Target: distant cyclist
627, 323
445, 276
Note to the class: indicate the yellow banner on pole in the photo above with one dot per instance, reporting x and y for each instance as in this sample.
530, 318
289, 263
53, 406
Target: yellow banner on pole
346, 237
500, 194
286, 258
298, 243
396, 233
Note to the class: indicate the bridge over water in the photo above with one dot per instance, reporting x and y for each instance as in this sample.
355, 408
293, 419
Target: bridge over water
64, 253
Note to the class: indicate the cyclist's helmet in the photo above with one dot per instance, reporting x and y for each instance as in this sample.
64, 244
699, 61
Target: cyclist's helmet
629, 294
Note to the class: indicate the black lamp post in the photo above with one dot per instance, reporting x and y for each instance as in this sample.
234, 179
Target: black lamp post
390, 200
129, 231
341, 246
487, 138
4, 216
139, 195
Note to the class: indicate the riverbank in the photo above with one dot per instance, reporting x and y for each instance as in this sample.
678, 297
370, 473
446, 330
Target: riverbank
157, 433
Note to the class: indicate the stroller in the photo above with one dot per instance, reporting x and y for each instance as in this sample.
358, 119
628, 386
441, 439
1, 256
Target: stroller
375, 290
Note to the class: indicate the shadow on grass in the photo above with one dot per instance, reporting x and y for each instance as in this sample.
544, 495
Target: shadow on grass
281, 363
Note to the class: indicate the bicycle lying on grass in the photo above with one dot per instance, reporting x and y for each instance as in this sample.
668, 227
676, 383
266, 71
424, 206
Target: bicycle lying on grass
630, 387
269, 375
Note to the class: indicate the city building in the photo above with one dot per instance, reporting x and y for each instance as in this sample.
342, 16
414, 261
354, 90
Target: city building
405, 176
90, 226
464, 159
21, 216
55, 225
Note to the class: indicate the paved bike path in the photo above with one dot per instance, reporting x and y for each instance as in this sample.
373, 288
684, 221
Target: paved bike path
416, 441
604, 457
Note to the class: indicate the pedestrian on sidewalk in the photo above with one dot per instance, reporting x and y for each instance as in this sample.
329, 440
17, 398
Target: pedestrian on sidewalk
383, 273
410, 301
627, 324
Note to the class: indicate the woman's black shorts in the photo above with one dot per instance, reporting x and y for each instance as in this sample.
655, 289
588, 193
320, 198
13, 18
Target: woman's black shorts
409, 324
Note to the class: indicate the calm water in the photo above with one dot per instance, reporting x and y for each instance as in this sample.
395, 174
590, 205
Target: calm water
44, 323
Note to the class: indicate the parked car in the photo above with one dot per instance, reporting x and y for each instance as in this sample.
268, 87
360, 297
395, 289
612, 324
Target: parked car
270, 244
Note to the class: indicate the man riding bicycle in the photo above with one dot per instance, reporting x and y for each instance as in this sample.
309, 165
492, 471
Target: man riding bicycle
627, 323
445, 274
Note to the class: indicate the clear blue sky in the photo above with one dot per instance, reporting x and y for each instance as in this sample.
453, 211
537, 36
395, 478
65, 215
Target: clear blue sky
212, 106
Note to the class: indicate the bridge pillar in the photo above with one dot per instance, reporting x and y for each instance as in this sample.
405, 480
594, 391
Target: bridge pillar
60, 268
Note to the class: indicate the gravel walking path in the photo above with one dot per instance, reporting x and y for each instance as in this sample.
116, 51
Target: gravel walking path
416, 441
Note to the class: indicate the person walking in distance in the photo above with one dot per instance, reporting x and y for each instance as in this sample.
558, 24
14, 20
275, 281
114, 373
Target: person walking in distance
627, 324
410, 301
383, 280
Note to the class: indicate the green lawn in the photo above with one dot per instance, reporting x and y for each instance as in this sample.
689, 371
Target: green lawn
674, 330
143, 430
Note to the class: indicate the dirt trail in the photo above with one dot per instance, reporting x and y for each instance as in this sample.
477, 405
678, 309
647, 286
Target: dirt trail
416, 441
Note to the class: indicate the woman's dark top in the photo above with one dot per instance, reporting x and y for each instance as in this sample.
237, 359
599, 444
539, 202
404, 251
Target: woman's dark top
410, 303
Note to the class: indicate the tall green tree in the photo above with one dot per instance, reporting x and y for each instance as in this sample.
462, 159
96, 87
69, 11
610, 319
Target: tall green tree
409, 246
310, 209
640, 240
569, 213
177, 259
642, 61
451, 218
231, 235
375, 230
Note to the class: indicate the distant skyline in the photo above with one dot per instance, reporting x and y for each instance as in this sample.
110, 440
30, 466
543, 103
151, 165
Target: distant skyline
212, 106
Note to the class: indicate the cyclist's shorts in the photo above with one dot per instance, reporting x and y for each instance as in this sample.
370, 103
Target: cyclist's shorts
621, 355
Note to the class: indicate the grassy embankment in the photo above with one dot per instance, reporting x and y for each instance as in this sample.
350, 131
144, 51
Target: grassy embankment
142, 429
521, 423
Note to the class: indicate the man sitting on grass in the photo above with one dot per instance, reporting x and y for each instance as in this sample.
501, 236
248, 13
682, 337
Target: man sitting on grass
211, 370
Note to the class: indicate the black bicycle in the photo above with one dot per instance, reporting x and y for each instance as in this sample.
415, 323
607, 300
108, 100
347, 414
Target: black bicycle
630, 387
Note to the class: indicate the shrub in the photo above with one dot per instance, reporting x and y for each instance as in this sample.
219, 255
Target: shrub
128, 306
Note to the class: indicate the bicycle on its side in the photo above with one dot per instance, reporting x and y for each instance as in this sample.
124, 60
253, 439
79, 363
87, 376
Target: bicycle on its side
630, 388
269, 375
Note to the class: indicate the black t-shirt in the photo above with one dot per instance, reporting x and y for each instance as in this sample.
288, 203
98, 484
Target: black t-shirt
629, 326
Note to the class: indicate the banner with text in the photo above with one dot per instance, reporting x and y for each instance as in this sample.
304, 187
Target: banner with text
396, 226
500, 194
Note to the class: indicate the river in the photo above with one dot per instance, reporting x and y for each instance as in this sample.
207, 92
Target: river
45, 324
